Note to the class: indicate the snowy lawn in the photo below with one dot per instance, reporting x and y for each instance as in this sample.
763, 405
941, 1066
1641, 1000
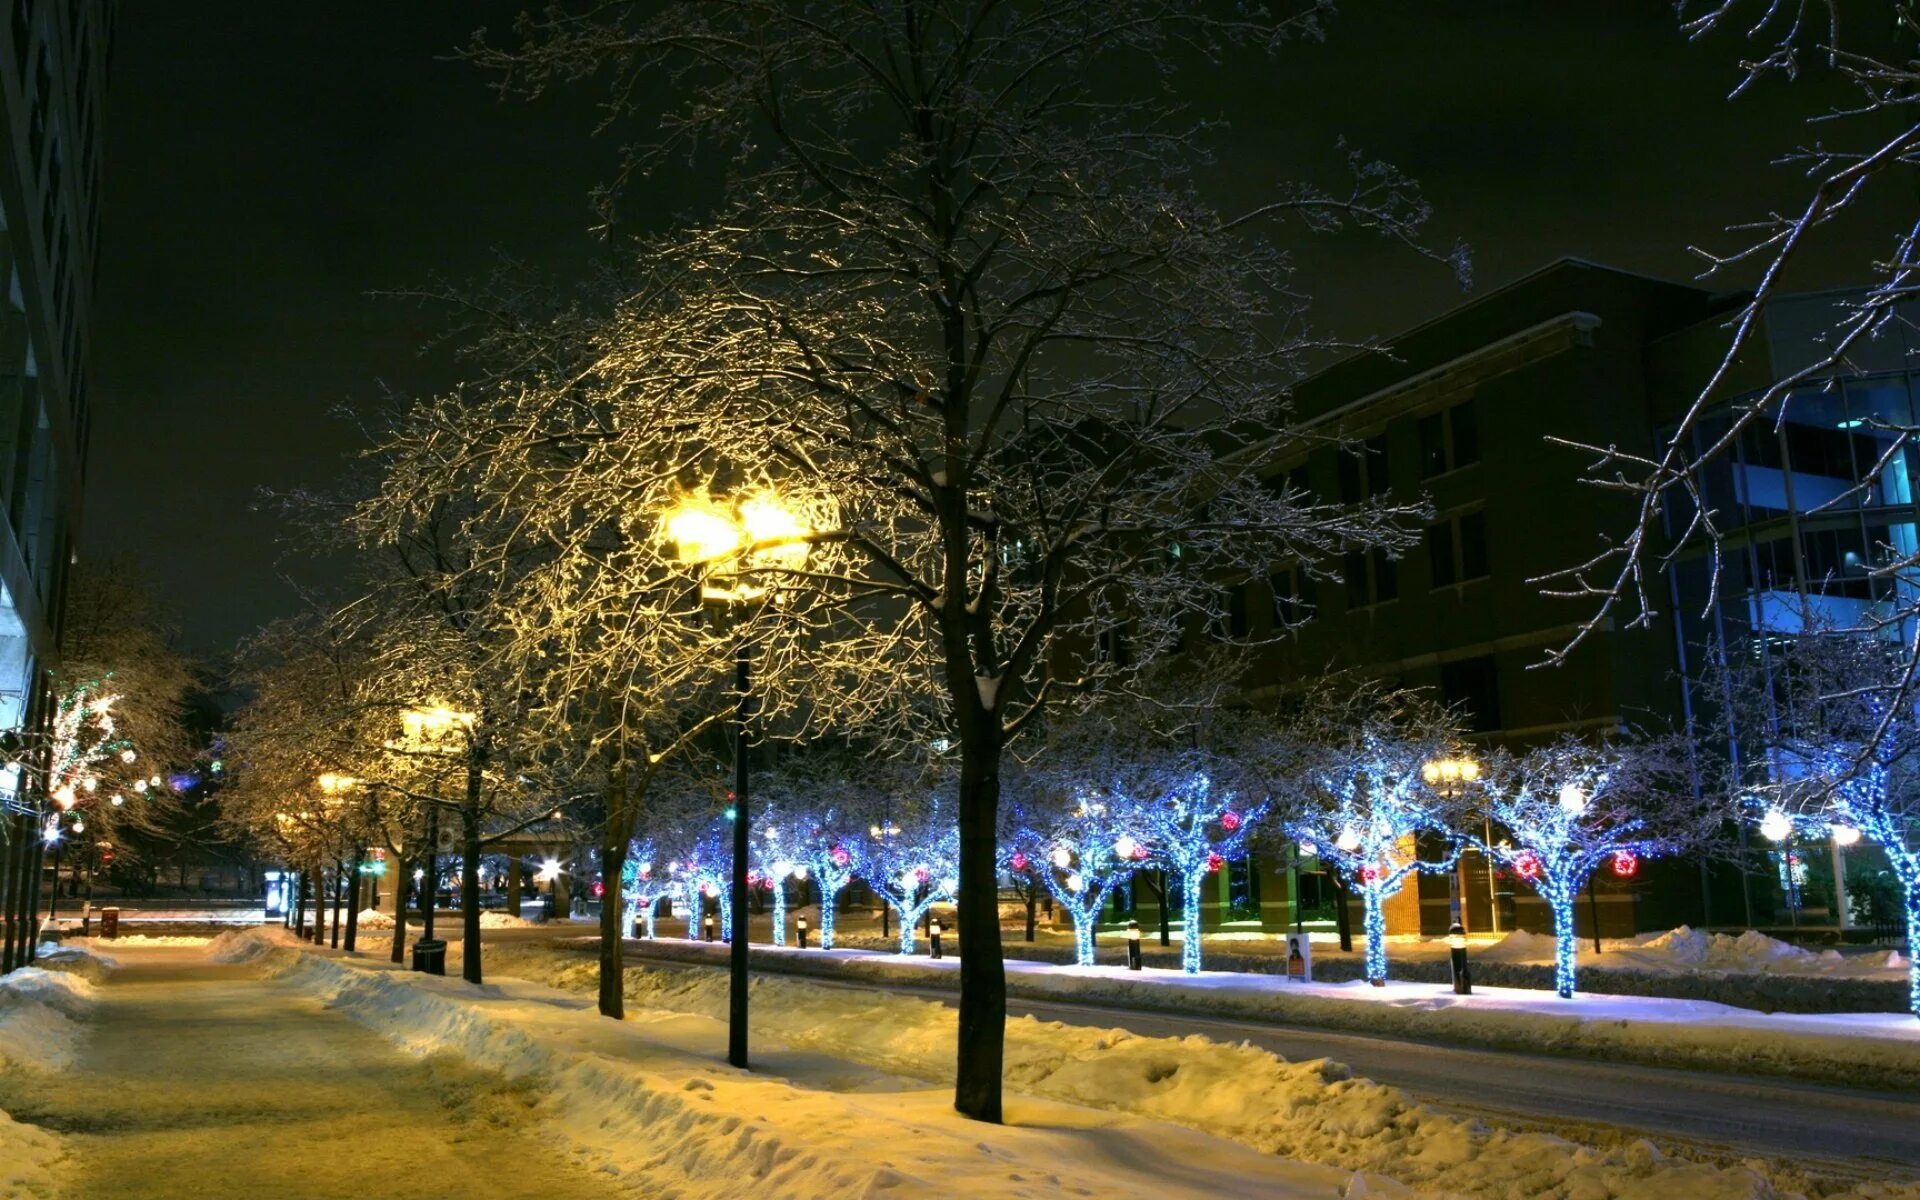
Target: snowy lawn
1880, 1049
1372, 1137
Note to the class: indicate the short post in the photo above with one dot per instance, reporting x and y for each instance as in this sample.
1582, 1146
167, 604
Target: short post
1457, 951
933, 936
800, 930
1133, 945
706, 927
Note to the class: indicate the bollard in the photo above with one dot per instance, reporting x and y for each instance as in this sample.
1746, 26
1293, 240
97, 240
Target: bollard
1133, 946
1457, 951
800, 927
933, 936
706, 927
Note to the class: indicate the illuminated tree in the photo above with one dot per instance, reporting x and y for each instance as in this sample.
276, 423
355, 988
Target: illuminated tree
980, 315
1572, 807
1079, 845
1827, 726
644, 882
1364, 810
912, 865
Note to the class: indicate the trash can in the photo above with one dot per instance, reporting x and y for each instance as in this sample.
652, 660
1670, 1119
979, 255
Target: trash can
430, 956
110, 922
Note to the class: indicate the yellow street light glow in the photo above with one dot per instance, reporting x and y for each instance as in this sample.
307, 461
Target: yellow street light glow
333, 784
701, 531
65, 797
764, 531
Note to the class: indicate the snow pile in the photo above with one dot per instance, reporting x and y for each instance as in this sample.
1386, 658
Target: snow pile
1312, 1112
27, 1156
40, 1017
76, 959
1520, 946
1750, 951
247, 945
662, 1119
373, 918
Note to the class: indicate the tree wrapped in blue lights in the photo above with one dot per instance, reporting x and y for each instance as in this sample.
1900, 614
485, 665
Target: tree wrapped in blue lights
644, 882
1570, 808
1079, 851
1832, 715
1365, 818
912, 864
706, 874
773, 864
1192, 827
823, 857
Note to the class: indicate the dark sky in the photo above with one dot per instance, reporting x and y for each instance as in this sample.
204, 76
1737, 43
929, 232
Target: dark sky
270, 166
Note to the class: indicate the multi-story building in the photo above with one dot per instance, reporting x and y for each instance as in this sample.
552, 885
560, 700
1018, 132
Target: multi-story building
1472, 411
52, 86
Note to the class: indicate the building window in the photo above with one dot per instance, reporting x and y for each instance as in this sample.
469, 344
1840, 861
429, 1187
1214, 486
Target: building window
1372, 578
1472, 685
1457, 549
1449, 440
1292, 593
1363, 470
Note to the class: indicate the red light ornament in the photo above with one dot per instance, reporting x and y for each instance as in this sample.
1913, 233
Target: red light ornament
1626, 864
1019, 861
1527, 866
1215, 862
1229, 820
840, 856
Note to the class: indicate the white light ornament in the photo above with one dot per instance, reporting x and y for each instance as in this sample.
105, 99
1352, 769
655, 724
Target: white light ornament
1123, 847
1845, 835
1348, 841
1776, 826
1062, 857
1573, 801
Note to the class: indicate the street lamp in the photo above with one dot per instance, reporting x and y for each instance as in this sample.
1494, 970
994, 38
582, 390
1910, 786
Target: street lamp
759, 534
1451, 777
425, 727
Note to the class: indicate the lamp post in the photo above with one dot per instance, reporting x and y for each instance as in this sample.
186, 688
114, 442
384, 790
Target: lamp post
425, 729
759, 533
1451, 777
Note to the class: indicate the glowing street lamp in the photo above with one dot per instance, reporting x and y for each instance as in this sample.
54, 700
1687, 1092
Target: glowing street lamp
1451, 777
736, 544
425, 728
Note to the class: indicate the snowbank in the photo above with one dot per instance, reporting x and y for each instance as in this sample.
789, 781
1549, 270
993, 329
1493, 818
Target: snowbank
27, 1157
1313, 1111
373, 918
656, 1111
40, 1017
247, 945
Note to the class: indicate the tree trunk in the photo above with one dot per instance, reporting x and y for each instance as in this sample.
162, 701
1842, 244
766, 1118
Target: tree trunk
403, 877
1376, 925
613, 859
353, 904
983, 979
1342, 919
339, 899
470, 876
1033, 904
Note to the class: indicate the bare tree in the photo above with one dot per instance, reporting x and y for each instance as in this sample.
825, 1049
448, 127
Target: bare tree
973, 313
1865, 146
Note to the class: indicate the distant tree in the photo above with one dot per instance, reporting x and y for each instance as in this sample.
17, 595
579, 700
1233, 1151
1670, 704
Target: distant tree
1571, 807
1364, 811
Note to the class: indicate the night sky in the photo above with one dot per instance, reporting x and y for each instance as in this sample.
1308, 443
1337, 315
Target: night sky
270, 167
